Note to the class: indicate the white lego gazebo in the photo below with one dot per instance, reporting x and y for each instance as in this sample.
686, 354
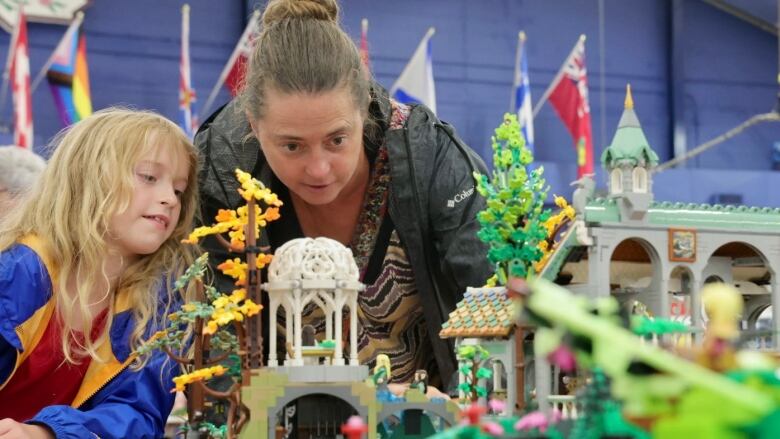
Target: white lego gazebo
320, 271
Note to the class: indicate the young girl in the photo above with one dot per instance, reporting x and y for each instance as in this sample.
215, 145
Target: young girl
84, 270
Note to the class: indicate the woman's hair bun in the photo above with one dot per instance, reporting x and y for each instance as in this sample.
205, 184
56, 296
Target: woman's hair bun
278, 10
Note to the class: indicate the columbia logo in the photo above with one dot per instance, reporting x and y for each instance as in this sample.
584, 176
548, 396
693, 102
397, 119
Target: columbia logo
460, 197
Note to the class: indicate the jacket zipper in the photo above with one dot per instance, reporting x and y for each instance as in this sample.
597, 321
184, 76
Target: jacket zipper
105, 383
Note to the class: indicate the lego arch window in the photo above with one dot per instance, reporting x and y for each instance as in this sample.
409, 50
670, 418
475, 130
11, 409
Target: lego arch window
634, 268
760, 321
639, 180
680, 294
313, 415
743, 265
616, 181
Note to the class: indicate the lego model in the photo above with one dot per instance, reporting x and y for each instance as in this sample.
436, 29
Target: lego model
659, 253
322, 271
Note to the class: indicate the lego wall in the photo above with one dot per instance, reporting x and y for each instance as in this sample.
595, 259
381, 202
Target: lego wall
729, 70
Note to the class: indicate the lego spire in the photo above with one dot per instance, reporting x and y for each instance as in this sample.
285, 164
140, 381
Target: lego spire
629, 142
629, 104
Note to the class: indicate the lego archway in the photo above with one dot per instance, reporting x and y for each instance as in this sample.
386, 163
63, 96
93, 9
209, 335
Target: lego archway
746, 266
343, 394
680, 290
315, 415
635, 274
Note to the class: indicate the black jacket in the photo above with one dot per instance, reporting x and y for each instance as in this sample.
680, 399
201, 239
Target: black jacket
433, 202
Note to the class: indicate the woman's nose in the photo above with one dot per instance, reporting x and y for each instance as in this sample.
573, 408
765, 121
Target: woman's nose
318, 165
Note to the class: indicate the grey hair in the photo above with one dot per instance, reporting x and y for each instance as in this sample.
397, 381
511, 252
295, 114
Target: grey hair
19, 169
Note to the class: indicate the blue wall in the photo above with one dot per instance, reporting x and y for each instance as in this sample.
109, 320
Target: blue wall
729, 70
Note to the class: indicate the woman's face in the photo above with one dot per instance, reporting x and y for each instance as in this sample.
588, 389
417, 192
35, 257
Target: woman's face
313, 142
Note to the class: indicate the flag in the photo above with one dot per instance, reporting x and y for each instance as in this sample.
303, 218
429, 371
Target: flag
415, 85
364, 44
20, 84
236, 65
568, 94
232, 74
521, 98
186, 92
68, 75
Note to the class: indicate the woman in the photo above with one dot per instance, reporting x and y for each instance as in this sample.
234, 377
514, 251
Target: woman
389, 180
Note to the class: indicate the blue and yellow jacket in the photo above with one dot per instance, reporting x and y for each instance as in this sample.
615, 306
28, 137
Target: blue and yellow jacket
113, 401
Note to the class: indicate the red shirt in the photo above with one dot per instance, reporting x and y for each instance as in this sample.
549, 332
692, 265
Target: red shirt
45, 378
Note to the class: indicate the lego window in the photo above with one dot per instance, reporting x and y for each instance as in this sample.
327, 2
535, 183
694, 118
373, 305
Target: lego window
616, 181
640, 180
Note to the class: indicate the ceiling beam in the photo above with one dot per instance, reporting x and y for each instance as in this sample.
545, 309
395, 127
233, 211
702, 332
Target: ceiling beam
744, 16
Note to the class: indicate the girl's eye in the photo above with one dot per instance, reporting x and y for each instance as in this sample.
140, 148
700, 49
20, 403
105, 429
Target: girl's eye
178, 193
147, 178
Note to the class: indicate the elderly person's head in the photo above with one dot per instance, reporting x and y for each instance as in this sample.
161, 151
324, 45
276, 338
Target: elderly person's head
19, 169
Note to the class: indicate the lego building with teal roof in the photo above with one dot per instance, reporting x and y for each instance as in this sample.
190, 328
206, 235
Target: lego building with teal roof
658, 253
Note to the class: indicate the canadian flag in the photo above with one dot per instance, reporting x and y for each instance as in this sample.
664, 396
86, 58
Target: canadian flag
20, 84
568, 95
236, 66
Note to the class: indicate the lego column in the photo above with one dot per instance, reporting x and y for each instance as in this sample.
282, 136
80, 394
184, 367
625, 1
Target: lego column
273, 306
775, 315
696, 318
338, 354
543, 381
353, 331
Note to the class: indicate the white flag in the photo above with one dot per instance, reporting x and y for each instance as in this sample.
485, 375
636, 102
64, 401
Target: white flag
415, 85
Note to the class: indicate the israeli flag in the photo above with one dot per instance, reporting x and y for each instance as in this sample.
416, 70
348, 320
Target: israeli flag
415, 85
521, 96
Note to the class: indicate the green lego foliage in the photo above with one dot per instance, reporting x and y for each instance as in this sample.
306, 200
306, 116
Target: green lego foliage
513, 222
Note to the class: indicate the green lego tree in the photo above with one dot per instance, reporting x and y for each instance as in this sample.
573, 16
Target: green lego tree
513, 224
473, 357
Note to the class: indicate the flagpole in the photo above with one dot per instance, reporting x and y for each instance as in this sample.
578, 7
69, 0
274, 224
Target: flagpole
558, 76
7, 70
74, 24
222, 76
518, 54
364, 45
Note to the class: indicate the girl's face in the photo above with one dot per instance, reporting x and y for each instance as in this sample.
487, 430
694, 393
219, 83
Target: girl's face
160, 178
313, 142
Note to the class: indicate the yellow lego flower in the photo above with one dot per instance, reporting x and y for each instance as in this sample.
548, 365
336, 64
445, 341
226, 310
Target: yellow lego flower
235, 269
238, 295
250, 308
220, 302
211, 327
263, 260
181, 381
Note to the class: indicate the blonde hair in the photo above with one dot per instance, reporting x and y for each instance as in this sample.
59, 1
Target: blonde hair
303, 49
90, 178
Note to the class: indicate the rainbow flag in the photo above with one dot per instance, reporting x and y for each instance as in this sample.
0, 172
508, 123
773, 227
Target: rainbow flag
68, 76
